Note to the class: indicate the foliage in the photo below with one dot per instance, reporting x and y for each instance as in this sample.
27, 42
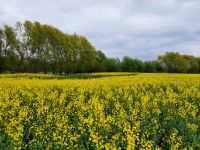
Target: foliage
112, 65
32, 47
132, 65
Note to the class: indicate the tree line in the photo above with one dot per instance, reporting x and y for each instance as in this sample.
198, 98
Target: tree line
34, 47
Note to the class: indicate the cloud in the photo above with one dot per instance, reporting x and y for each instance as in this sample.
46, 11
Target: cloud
137, 28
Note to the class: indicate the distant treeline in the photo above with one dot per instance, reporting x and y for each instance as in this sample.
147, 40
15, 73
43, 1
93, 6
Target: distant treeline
35, 47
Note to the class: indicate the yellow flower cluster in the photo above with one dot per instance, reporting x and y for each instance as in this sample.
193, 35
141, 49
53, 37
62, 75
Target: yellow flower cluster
143, 111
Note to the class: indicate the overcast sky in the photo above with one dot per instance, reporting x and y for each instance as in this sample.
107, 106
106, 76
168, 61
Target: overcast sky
141, 29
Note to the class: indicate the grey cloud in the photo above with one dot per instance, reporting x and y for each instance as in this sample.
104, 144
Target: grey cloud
137, 28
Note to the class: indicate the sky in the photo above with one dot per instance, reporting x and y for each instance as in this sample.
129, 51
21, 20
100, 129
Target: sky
140, 29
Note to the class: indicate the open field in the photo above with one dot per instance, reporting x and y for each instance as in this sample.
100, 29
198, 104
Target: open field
100, 111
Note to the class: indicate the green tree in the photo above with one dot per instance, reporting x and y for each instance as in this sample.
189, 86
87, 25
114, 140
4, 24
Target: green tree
9, 46
112, 65
174, 62
150, 66
2, 57
193, 63
100, 58
24, 37
87, 56
132, 65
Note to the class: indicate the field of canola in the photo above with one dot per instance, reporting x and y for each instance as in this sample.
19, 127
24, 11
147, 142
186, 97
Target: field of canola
143, 111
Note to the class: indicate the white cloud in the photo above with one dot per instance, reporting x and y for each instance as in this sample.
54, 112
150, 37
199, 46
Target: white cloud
137, 28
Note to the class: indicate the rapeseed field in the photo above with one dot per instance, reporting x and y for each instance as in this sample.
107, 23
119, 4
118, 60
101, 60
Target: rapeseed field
141, 111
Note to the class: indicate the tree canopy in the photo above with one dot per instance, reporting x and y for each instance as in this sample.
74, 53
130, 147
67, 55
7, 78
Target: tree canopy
35, 47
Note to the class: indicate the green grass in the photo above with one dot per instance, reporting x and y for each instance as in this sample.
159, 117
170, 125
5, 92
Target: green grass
67, 76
